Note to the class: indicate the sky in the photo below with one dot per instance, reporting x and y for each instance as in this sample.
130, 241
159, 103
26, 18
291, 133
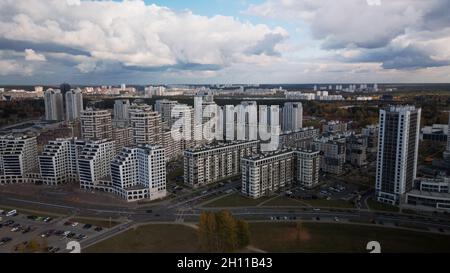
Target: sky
224, 41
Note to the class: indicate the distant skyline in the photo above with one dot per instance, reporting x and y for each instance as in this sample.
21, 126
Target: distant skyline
217, 41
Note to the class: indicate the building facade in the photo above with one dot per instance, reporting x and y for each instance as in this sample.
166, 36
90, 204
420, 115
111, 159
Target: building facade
96, 124
94, 165
307, 167
54, 106
58, 162
266, 173
398, 145
74, 104
121, 110
332, 153
139, 173
292, 117
211, 163
18, 159
146, 125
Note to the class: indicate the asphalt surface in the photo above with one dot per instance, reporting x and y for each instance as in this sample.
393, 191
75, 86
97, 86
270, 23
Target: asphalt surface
184, 208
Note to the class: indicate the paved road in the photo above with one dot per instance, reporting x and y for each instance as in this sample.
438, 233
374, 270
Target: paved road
185, 209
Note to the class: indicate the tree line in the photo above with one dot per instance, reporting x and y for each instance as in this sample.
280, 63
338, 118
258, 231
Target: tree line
221, 232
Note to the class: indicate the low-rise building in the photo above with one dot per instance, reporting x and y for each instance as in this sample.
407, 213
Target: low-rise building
430, 194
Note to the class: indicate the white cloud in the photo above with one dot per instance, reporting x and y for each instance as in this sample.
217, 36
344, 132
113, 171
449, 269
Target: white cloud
133, 33
31, 55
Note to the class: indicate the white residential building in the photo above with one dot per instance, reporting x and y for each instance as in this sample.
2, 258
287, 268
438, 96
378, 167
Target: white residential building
146, 125
74, 104
264, 174
18, 155
211, 163
307, 167
96, 124
139, 173
121, 110
18, 159
54, 107
58, 162
94, 165
398, 145
333, 151
164, 108
292, 117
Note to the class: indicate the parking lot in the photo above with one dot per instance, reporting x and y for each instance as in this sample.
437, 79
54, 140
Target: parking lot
330, 190
34, 233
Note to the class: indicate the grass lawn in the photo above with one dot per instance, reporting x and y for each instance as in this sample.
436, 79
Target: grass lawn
342, 238
374, 205
95, 222
164, 238
235, 200
329, 203
284, 201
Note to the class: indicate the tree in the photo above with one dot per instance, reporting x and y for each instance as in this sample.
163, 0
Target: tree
243, 234
203, 231
226, 231
221, 232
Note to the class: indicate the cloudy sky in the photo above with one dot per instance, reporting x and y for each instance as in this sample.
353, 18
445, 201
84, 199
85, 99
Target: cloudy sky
224, 41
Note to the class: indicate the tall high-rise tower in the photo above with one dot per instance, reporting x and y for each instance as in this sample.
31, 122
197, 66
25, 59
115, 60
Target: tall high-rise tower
74, 104
398, 144
54, 108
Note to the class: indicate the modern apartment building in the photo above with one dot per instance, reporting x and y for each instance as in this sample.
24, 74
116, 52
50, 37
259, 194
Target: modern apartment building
211, 163
18, 159
94, 165
398, 145
121, 110
96, 124
139, 173
122, 135
18, 155
307, 166
164, 108
370, 132
74, 104
54, 105
264, 174
332, 150
172, 147
59, 160
356, 150
146, 125
292, 117
334, 127
302, 138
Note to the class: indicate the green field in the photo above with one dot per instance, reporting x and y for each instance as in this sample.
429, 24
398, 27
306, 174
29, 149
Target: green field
342, 238
161, 238
235, 200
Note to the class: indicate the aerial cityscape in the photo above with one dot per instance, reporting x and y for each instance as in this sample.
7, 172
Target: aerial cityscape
250, 127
